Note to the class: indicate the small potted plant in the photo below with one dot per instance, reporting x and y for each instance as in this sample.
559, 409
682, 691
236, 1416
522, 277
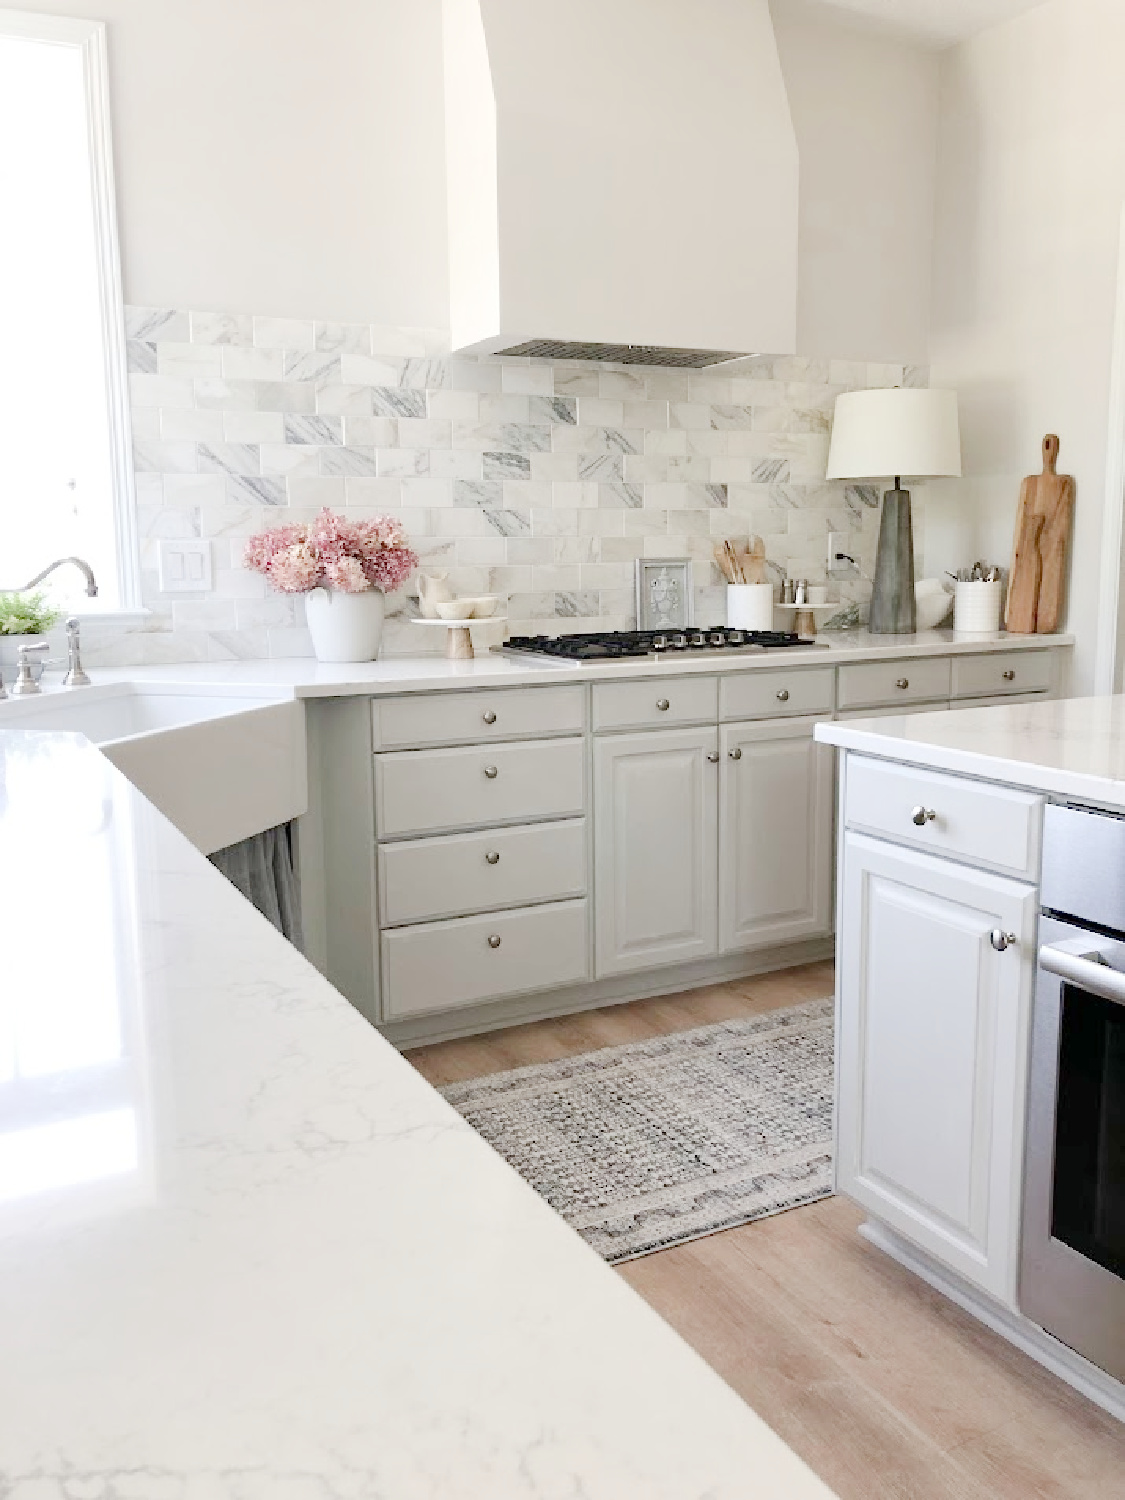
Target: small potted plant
24, 621
344, 568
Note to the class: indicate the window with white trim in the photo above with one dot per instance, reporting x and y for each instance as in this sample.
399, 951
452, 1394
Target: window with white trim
65, 473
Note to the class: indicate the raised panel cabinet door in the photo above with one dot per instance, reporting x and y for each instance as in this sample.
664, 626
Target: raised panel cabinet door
655, 847
775, 835
935, 967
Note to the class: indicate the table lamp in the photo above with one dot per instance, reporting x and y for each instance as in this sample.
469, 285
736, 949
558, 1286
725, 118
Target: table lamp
877, 434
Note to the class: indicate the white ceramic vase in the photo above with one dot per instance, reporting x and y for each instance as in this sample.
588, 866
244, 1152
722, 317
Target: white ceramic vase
345, 627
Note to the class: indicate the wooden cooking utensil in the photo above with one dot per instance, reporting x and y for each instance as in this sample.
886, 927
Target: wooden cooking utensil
1043, 521
754, 565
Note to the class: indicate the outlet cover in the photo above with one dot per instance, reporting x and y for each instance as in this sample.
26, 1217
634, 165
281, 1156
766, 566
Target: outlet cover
185, 567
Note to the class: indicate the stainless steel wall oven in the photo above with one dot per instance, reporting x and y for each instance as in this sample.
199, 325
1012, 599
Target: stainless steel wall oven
1072, 1271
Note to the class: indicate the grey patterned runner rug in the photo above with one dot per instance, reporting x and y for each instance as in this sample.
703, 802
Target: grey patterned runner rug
655, 1143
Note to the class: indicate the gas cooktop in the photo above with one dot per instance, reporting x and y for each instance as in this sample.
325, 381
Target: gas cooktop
615, 645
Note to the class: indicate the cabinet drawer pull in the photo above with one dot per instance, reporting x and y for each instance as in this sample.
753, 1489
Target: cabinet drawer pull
489, 717
923, 815
1001, 940
736, 754
783, 695
1009, 675
494, 940
663, 705
903, 683
713, 756
492, 857
491, 772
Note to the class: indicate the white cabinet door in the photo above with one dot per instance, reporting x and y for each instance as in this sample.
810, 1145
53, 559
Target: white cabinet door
775, 835
932, 1053
655, 842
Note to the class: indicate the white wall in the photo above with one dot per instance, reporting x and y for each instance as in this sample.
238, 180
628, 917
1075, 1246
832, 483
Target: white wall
279, 155
865, 110
1030, 188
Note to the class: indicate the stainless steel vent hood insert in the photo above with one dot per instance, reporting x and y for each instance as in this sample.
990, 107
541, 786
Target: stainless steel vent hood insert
621, 174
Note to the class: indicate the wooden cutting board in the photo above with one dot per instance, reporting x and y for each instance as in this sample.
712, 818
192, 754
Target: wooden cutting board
1043, 521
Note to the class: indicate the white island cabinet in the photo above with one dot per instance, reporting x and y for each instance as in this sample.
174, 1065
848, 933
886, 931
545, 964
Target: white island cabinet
940, 855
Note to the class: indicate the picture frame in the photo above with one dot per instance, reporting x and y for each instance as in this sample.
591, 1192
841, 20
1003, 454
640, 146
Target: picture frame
664, 593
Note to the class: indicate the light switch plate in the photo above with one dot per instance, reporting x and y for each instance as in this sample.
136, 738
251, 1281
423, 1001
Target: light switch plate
185, 567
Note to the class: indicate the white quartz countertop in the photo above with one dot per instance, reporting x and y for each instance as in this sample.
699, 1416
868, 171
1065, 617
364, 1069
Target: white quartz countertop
247, 1253
307, 678
1068, 747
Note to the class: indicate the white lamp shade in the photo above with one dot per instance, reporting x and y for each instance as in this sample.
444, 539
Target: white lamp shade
907, 433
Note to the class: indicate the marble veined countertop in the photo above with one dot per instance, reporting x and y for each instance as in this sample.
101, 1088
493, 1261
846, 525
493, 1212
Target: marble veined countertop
1068, 747
306, 678
247, 1253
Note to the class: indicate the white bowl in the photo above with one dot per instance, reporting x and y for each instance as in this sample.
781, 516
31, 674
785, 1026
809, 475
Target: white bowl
483, 605
931, 603
454, 609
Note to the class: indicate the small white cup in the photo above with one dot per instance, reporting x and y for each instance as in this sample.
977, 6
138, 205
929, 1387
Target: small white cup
818, 593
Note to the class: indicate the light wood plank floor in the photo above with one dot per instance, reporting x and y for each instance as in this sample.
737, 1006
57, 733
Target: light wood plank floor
886, 1389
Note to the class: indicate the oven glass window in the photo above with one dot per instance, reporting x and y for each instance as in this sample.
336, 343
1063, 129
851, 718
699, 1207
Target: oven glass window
1088, 1208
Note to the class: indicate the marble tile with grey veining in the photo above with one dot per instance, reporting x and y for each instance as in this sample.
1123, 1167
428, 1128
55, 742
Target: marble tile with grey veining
789, 419
770, 471
576, 380
344, 401
605, 468
156, 457
393, 401
283, 395
549, 409
229, 458
732, 416
358, 461
320, 366
402, 463
221, 328
256, 489
320, 430
425, 374
688, 466
708, 495
486, 493
577, 604
916, 377
618, 493
156, 324
491, 437
509, 522
349, 338
362, 428
862, 496
506, 466
140, 357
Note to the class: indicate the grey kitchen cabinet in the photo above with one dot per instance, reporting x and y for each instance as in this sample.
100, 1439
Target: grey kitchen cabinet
656, 798
775, 834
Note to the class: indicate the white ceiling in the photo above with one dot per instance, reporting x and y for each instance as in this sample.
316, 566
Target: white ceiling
938, 22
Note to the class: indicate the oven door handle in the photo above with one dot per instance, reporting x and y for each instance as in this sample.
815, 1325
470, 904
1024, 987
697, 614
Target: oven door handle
1098, 978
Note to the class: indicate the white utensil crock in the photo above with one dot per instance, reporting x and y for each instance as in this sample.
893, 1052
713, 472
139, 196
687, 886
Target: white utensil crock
750, 606
976, 608
345, 627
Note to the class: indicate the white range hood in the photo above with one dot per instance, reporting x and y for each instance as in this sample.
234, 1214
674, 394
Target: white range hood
620, 173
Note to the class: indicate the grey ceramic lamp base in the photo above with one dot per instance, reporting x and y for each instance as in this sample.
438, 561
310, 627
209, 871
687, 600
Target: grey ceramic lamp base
892, 596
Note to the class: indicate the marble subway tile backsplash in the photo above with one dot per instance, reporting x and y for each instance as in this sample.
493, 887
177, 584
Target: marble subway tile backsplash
542, 481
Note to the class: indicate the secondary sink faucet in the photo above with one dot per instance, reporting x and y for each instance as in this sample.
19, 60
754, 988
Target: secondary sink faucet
80, 563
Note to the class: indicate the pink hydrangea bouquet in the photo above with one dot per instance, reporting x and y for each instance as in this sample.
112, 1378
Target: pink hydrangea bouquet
333, 552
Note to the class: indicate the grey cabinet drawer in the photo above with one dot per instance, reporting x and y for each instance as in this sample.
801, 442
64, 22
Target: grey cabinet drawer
767, 695
1001, 672
427, 791
424, 879
444, 965
419, 719
870, 684
987, 825
655, 703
